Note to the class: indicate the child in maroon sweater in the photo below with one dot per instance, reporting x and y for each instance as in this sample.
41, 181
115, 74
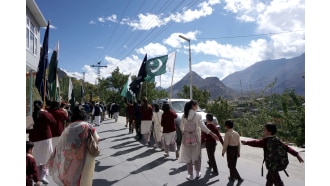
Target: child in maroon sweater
210, 143
31, 167
269, 132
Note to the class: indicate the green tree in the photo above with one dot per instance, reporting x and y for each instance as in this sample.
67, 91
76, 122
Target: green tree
149, 90
220, 109
202, 96
35, 93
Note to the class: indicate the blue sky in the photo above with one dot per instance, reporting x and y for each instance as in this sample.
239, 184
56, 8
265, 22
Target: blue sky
226, 36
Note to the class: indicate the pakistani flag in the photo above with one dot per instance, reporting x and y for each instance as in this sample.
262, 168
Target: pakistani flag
40, 83
53, 76
126, 92
71, 94
160, 65
70, 89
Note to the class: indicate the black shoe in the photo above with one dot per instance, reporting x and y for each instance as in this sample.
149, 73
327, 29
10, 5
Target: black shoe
215, 173
231, 179
239, 182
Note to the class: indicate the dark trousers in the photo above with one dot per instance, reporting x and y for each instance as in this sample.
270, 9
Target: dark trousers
130, 123
274, 178
138, 128
210, 149
232, 155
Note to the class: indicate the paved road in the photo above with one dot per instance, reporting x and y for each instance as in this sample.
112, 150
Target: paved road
125, 161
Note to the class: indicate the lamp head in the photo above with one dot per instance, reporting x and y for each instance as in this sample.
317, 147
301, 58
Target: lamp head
184, 38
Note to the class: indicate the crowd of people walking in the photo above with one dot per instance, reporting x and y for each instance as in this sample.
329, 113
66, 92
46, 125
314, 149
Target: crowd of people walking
60, 134
57, 143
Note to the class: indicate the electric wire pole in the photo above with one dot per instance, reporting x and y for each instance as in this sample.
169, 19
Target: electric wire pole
99, 66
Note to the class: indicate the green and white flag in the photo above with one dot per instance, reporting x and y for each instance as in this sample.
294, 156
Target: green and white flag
70, 89
126, 92
160, 65
53, 75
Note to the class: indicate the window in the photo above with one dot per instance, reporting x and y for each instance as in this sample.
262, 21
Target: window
31, 37
27, 32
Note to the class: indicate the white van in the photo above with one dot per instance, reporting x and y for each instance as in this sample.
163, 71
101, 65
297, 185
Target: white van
178, 106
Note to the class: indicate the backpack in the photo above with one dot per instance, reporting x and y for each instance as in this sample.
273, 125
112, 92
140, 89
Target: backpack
275, 155
189, 133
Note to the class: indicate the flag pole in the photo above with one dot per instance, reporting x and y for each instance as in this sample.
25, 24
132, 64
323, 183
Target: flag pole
44, 98
146, 90
140, 91
172, 78
160, 83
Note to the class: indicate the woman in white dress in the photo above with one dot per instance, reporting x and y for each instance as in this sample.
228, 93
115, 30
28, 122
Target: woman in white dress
158, 129
191, 154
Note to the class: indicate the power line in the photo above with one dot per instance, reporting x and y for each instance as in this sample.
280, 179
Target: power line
111, 35
252, 35
147, 37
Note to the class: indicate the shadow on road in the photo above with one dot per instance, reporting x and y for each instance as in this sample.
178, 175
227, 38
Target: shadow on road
121, 145
142, 155
121, 139
178, 170
100, 168
102, 139
202, 181
126, 151
151, 165
103, 182
111, 130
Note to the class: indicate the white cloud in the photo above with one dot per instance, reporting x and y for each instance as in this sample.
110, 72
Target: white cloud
282, 16
148, 21
287, 45
145, 22
129, 65
112, 18
229, 58
237, 6
101, 19
175, 41
153, 49
286, 18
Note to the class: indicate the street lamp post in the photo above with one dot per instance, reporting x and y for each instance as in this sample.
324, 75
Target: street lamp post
187, 39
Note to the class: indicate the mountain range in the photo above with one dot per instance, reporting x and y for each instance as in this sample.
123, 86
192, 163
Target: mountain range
212, 84
286, 73
282, 73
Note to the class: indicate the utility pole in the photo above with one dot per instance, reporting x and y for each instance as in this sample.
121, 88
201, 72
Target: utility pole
82, 85
99, 66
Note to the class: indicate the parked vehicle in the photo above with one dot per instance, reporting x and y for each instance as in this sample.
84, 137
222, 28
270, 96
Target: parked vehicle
178, 106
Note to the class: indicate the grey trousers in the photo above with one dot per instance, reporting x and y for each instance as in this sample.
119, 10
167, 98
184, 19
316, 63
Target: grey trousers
197, 164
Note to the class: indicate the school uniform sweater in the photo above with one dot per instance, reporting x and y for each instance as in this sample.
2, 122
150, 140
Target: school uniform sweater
168, 121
